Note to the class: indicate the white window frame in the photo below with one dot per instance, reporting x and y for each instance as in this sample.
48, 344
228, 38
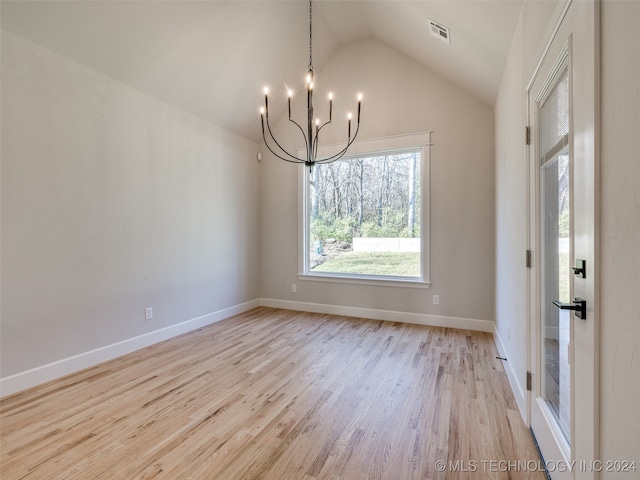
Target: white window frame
395, 144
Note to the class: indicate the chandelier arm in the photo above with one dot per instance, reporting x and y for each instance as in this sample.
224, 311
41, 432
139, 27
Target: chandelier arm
341, 153
324, 125
301, 130
306, 144
294, 158
315, 145
316, 140
297, 160
315, 150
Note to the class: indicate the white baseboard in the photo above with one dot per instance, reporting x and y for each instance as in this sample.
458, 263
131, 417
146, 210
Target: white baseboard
516, 387
416, 318
36, 376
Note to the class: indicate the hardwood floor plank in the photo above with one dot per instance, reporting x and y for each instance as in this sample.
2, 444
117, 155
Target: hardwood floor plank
275, 395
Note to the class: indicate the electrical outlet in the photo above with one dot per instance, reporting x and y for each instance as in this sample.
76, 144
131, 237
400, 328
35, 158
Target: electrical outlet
509, 333
436, 299
293, 287
148, 313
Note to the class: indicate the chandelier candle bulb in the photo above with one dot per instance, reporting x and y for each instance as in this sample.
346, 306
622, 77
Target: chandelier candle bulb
289, 93
359, 103
348, 126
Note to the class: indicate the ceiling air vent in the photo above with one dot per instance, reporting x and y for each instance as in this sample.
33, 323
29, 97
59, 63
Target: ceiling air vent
439, 31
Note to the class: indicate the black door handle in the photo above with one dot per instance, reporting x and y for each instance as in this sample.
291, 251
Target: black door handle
579, 305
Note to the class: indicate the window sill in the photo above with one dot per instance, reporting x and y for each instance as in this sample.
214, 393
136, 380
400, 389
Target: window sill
400, 282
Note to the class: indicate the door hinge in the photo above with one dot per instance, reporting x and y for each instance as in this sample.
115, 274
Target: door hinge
527, 135
528, 259
528, 381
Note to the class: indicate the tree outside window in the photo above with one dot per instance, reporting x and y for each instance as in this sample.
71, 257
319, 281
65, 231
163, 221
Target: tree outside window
364, 216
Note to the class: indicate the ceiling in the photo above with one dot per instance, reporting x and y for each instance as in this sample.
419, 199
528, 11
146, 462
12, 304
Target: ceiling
211, 58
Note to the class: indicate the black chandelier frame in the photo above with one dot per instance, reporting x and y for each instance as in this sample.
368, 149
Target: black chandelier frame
311, 140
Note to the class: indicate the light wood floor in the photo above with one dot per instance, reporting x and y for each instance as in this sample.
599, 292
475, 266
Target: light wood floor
276, 394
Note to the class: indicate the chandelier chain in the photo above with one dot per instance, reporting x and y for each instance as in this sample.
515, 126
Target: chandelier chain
310, 43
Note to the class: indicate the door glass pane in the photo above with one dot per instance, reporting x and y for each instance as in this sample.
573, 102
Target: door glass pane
555, 324
555, 115
556, 254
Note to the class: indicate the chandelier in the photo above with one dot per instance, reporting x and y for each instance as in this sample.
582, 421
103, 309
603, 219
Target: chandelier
313, 127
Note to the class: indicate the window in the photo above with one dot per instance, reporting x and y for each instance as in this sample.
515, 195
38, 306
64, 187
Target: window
365, 217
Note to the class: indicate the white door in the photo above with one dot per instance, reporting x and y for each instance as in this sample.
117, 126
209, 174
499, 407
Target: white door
562, 106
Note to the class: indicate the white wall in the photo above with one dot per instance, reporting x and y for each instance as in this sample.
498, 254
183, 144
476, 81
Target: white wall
113, 201
511, 231
620, 235
400, 96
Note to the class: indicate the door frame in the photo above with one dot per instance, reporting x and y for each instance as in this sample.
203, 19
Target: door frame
556, 63
582, 18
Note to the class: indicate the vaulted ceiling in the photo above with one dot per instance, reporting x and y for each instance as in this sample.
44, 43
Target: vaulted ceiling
211, 58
